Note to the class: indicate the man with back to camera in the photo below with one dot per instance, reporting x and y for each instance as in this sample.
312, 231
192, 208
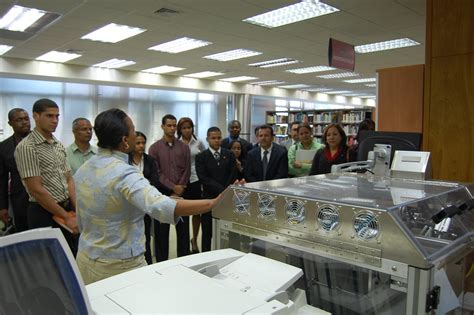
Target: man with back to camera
234, 127
292, 135
268, 161
11, 186
173, 159
42, 165
216, 169
80, 150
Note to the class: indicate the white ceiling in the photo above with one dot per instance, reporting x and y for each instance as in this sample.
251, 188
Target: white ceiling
220, 22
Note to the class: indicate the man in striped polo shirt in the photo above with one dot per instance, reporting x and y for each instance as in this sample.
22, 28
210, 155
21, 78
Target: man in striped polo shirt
42, 165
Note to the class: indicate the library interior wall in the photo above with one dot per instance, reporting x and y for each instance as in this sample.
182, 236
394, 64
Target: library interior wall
400, 99
448, 128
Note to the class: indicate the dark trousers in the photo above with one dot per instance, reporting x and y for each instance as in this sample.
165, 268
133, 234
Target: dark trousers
39, 217
20, 205
206, 224
162, 239
147, 221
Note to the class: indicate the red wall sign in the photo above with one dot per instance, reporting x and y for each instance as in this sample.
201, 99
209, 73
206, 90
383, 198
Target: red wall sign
341, 55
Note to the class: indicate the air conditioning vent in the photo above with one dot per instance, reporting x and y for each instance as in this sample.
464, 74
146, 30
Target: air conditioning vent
366, 225
166, 12
241, 202
295, 211
266, 206
328, 217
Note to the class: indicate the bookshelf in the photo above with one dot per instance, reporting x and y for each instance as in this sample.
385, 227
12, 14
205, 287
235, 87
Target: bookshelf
318, 119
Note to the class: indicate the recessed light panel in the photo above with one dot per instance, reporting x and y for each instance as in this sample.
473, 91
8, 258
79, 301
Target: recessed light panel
113, 33
338, 75
204, 74
338, 92
270, 82
233, 55
365, 80
4, 49
387, 45
19, 18
371, 85
57, 56
274, 63
310, 69
114, 63
163, 69
318, 90
238, 79
180, 45
306, 9
294, 86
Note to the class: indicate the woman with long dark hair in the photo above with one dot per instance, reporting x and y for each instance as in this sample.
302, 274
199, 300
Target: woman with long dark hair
147, 166
240, 154
185, 131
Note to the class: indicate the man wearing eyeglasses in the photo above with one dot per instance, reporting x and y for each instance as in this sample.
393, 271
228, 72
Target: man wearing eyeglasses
292, 135
11, 187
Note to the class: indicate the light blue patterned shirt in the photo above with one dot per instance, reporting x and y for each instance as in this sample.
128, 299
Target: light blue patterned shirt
112, 197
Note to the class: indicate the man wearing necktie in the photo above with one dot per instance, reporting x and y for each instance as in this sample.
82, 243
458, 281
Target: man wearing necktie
267, 161
216, 169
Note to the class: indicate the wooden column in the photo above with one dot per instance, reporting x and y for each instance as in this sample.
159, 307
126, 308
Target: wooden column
448, 121
400, 99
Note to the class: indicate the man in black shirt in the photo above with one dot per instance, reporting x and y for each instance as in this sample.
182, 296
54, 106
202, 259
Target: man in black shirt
11, 186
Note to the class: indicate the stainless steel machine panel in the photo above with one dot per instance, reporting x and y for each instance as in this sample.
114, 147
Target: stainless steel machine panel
357, 217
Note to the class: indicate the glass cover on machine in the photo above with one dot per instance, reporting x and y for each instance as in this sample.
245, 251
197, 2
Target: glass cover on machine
435, 214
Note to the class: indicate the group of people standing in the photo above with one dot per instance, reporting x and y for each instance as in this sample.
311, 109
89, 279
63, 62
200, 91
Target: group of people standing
118, 190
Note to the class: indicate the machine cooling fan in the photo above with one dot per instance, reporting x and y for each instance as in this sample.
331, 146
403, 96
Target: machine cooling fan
366, 225
241, 202
266, 206
295, 211
328, 217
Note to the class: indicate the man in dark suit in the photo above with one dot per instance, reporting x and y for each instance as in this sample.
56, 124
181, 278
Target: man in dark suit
216, 169
234, 128
10, 181
268, 161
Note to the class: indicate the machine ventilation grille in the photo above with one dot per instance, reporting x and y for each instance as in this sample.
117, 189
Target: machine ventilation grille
266, 206
328, 217
366, 225
295, 211
241, 202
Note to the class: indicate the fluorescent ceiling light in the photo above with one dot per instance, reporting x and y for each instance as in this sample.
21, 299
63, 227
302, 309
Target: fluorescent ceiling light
366, 80
371, 85
311, 69
113, 33
338, 75
233, 54
318, 90
57, 56
20, 18
274, 63
294, 86
270, 82
306, 9
163, 69
180, 45
115, 63
238, 79
387, 45
338, 92
204, 74
4, 49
